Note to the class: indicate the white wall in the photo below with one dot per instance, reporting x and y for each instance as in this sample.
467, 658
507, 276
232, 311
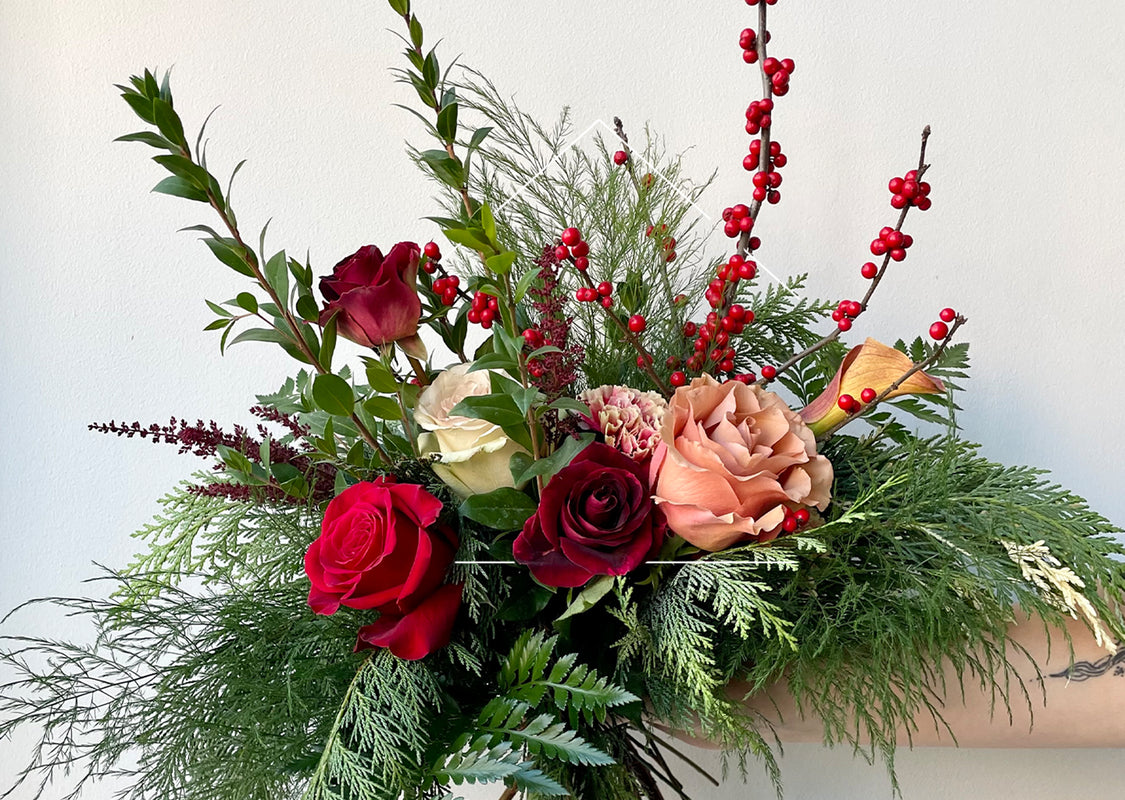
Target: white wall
102, 299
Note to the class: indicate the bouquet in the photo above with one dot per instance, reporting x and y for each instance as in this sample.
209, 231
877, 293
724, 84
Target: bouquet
574, 483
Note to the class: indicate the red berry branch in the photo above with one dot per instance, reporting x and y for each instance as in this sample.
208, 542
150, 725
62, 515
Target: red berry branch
940, 331
891, 245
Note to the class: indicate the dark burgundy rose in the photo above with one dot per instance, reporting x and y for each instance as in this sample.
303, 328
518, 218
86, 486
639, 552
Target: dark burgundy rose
380, 548
375, 298
595, 517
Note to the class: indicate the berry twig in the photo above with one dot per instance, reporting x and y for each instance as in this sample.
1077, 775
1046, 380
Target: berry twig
958, 321
875, 281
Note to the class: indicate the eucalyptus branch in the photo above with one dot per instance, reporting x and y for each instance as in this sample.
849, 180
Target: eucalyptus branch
916, 368
835, 334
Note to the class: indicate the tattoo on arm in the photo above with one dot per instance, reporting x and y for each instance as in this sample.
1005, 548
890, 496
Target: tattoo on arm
1084, 670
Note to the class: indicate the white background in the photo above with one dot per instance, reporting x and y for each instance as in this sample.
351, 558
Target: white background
102, 298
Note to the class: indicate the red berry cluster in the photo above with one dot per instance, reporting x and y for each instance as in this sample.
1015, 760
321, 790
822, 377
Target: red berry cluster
940, 329
777, 158
758, 115
748, 41
620, 157
755, 2
892, 241
737, 268
667, 243
446, 289
737, 220
484, 309
573, 246
794, 519
908, 190
433, 254
712, 343
603, 293
778, 72
766, 183
850, 405
845, 312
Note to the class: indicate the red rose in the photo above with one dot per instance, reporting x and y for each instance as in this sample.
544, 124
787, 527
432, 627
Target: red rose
379, 549
374, 298
595, 517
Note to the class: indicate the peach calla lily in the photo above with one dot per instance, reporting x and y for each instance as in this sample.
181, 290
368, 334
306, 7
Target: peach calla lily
869, 365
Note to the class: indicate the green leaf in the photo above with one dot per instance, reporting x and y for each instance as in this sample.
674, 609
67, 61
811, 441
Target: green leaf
333, 394
504, 509
488, 222
446, 169
526, 604
178, 187
547, 467
501, 264
415, 32
379, 377
218, 309
225, 250
589, 597
141, 105
447, 122
328, 342
498, 409
525, 282
469, 238
401, 7
247, 302
383, 408
168, 121
277, 274
185, 168
307, 308
570, 404
216, 324
478, 136
266, 335
149, 138
493, 361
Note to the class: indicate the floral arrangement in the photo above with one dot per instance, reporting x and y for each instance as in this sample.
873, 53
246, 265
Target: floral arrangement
580, 484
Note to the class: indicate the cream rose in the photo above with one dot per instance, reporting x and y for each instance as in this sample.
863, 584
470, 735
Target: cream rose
734, 458
472, 454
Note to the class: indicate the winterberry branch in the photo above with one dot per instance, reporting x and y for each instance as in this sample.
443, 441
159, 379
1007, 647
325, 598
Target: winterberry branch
764, 135
835, 334
916, 368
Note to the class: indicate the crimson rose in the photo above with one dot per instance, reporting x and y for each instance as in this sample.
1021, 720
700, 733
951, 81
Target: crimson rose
379, 549
374, 298
595, 517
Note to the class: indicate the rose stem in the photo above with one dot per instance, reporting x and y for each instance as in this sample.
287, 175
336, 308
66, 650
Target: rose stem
294, 332
835, 334
677, 322
918, 367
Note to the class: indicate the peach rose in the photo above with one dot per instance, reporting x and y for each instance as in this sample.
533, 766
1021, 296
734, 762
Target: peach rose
733, 459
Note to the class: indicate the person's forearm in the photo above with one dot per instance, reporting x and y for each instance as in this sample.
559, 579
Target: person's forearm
1084, 701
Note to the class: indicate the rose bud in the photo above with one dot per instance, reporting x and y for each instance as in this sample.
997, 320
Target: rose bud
375, 299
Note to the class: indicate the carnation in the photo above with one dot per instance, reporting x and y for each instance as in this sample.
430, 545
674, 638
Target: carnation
629, 419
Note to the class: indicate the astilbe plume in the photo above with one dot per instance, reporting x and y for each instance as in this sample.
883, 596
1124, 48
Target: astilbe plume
560, 370
204, 439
